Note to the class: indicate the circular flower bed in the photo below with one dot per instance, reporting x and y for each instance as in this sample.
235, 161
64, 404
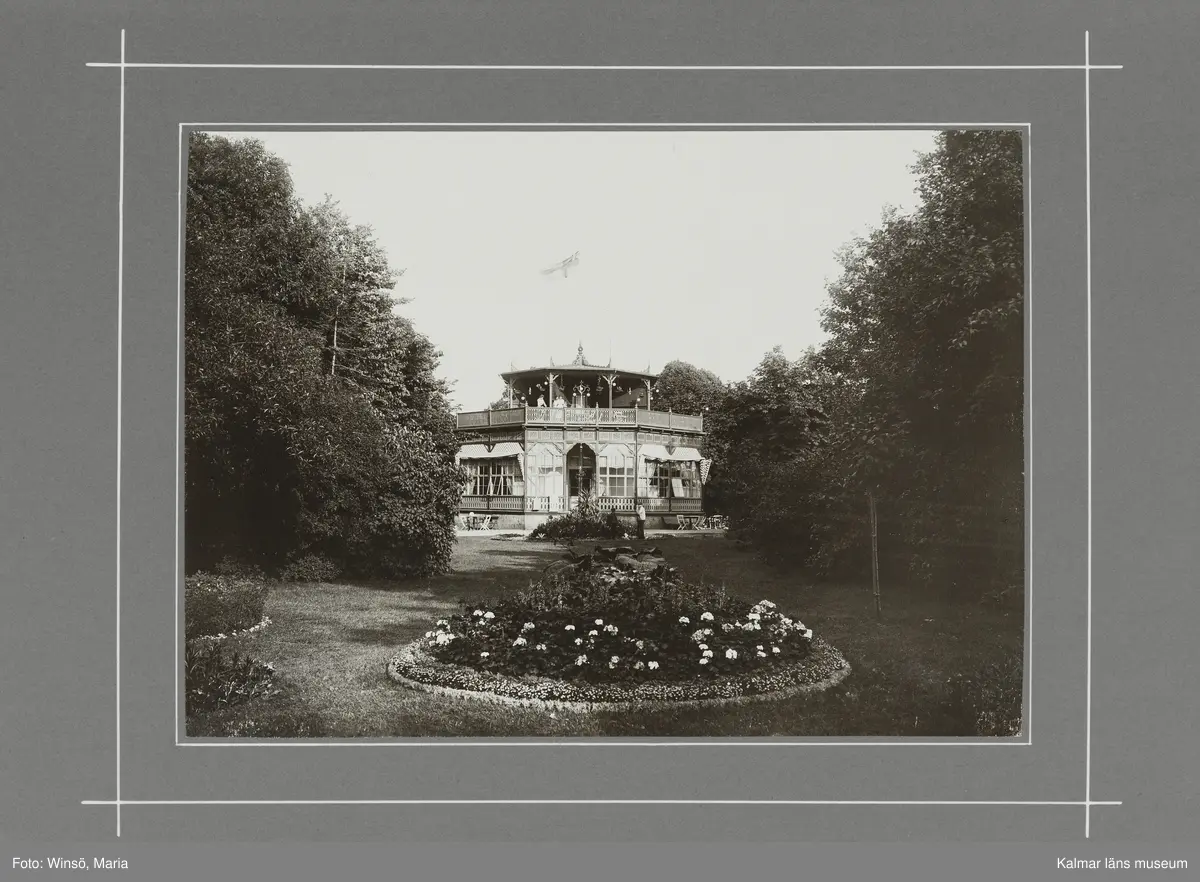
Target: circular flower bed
607, 636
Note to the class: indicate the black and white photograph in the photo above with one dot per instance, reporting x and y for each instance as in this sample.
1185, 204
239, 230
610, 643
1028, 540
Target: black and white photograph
579, 433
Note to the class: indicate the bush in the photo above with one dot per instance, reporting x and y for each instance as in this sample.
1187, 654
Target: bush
310, 568
987, 702
221, 604
607, 624
585, 522
214, 678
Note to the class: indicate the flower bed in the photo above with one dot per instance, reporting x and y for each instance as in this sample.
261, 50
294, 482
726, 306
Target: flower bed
608, 635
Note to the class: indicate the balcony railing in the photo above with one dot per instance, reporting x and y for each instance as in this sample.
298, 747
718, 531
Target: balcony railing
560, 504
581, 416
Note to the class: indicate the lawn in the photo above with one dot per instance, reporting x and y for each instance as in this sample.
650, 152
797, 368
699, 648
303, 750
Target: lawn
921, 671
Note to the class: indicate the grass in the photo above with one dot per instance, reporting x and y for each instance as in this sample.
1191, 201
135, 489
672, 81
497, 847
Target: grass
330, 642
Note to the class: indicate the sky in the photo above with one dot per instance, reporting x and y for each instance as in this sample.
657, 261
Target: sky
708, 247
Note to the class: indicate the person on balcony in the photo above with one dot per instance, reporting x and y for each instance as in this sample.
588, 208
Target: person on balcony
541, 401
641, 521
560, 401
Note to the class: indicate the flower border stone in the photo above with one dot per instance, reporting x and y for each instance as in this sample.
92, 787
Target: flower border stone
415, 668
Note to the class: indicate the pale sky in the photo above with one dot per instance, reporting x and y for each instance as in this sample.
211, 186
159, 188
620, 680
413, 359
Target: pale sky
710, 247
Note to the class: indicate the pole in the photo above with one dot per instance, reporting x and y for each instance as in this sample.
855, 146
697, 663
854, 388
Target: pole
875, 556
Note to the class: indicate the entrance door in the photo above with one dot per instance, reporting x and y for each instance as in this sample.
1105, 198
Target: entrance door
581, 471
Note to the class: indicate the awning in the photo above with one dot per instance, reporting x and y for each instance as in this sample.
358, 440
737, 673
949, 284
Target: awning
500, 451
660, 452
616, 448
653, 451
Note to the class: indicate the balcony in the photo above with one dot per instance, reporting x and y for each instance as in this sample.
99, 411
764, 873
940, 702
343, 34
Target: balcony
619, 417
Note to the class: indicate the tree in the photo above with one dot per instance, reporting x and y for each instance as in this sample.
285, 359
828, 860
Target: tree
685, 388
920, 386
312, 413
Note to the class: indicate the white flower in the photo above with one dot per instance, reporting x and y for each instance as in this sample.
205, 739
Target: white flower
613, 660
489, 615
640, 645
637, 665
484, 654
528, 626
442, 623
761, 654
703, 646
703, 661
652, 665
611, 629
707, 632
727, 627
541, 646
708, 653
581, 660
520, 641
706, 617
767, 604
759, 648
593, 633
578, 641
808, 634
731, 653
478, 612
599, 621
698, 636
754, 616
570, 627
775, 649
684, 620
428, 634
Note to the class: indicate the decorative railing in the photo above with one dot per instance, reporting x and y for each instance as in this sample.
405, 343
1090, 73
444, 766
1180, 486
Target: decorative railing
492, 503
581, 416
560, 504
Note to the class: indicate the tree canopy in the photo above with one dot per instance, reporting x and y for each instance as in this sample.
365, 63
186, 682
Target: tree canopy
916, 396
314, 422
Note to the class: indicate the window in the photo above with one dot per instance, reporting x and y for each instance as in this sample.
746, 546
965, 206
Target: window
492, 477
616, 475
669, 479
547, 476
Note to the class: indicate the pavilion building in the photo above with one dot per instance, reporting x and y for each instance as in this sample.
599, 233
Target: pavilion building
580, 428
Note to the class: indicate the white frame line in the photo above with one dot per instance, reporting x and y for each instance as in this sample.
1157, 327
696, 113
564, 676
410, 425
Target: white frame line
778, 802
615, 68
1086, 67
1028, 722
120, 396
1087, 114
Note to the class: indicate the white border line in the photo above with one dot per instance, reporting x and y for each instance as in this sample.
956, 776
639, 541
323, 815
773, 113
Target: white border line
180, 742
615, 68
1028, 491
120, 395
423, 802
1087, 114
1087, 67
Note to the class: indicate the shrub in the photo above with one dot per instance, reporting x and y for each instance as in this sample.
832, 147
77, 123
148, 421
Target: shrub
310, 568
585, 522
215, 678
607, 624
221, 604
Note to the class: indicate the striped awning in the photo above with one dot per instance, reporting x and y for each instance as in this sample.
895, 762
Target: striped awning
660, 452
479, 451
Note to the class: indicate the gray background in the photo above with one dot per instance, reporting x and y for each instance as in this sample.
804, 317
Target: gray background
57, 434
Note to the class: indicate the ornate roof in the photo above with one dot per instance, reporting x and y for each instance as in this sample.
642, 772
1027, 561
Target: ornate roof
579, 364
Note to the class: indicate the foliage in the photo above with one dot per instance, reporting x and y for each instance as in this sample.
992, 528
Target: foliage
216, 605
685, 388
608, 624
916, 397
215, 678
586, 521
310, 568
314, 422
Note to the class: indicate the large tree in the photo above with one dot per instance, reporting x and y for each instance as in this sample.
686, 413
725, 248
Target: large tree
314, 422
921, 381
